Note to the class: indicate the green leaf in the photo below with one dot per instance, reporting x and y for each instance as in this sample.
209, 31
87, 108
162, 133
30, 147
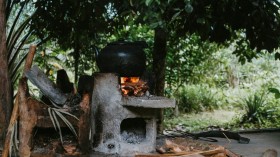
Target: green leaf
273, 90
175, 16
200, 20
154, 25
189, 8
148, 2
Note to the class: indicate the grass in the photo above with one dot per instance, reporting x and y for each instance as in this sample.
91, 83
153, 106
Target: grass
195, 122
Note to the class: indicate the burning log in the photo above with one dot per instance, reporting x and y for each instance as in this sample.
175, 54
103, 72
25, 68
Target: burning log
47, 87
133, 86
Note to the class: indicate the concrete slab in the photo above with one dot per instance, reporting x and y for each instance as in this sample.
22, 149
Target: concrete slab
259, 143
149, 102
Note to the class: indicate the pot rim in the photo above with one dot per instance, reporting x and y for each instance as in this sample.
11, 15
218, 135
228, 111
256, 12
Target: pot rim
141, 43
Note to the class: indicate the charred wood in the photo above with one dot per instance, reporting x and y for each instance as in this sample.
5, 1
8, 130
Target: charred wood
63, 83
85, 84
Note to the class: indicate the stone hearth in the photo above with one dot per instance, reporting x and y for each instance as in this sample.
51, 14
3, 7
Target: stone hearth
123, 125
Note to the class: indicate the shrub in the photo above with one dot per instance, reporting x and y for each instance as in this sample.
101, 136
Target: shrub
260, 109
196, 98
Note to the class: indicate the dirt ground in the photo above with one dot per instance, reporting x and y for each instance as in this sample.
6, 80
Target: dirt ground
259, 143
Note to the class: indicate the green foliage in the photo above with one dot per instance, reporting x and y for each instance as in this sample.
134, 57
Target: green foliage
254, 108
194, 122
196, 98
19, 35
183, 57
275, 91
262, 111
71, 23
214, 73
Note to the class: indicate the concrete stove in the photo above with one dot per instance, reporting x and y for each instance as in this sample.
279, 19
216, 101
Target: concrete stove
123, 125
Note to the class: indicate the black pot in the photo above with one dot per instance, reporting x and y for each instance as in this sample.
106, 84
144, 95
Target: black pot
125, 58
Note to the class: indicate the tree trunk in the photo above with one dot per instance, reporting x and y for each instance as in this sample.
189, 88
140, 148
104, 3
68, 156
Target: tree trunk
5, 82
15, 114
76, 58
159, 56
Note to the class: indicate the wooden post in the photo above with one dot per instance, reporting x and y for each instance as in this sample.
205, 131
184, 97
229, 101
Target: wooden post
27, 119
84, 124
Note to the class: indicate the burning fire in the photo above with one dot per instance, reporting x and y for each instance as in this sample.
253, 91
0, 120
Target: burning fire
129, 79
133, 86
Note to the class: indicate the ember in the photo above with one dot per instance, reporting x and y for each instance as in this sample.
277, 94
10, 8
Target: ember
133, 86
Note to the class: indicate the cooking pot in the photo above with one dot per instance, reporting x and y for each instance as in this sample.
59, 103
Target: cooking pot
128, 59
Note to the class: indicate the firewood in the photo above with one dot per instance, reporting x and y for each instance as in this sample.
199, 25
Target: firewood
135, 89
231, 154
270, 153
218, 152
47, 87
161, 155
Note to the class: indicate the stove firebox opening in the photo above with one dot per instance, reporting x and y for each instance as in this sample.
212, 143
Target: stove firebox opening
133, 130
133, 86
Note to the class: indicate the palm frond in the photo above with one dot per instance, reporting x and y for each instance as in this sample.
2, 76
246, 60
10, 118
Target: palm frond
16, 135
13, 55
12, 71
70, 126
51, 117
54, 113
13, 147
67, 113
58, 126
16, 35
11, 142
16, 20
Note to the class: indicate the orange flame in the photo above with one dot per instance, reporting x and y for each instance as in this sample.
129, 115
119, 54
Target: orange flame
128, 80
